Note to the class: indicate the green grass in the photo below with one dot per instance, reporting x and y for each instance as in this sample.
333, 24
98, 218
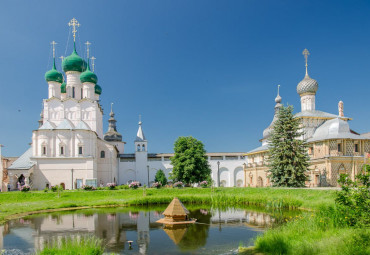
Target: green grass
315, 233
13, 203
72, 246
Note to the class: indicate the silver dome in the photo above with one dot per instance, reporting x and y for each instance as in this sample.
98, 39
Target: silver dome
307, 85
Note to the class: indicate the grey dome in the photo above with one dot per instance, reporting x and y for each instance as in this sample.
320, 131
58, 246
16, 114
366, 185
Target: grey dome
307, 85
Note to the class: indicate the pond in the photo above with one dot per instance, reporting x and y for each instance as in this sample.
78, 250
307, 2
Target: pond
217, 231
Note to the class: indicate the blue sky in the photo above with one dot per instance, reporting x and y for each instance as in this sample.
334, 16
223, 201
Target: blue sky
209, 69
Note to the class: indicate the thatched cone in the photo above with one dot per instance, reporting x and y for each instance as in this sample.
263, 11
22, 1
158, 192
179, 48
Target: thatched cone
176, 211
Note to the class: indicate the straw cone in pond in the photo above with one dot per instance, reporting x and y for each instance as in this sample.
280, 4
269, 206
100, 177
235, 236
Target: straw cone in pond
176, 213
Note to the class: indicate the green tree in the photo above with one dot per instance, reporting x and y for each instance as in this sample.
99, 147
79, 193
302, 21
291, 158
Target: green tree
288, 158
160, 177
190, 164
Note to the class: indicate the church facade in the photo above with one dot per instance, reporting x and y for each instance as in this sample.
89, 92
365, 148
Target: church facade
334, 148
70, 149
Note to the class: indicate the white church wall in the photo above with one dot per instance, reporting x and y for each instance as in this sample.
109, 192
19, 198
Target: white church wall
107, 165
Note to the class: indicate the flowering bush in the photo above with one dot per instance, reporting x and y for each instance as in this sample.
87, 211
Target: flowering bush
157, 185
178, 185
204, 184
25, 188
134, 185
88, 187
111, 185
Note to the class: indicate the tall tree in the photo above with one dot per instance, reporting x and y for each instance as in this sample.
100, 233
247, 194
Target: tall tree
190, 164
288, 157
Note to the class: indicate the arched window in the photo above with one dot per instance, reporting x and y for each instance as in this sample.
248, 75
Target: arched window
73, 92
102, 154
62, 149
143, 147
138, 147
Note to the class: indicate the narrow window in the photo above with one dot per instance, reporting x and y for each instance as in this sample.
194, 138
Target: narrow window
356, 147
80, 150
102, 154
339, 147
138, 147
143, 148
61, 150
82, 93
43, 150
73, 92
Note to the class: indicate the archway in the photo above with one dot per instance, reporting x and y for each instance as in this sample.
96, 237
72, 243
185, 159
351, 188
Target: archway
224, 176
259, 182
238, 176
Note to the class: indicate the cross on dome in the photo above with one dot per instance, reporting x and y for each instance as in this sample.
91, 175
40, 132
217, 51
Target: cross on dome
74, 23
88, 49
53, 43
93, 63
306, 53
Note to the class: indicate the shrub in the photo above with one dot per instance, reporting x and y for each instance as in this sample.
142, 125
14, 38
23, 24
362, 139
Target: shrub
178, 185
353, 200
111, 186
25, 188
204, 184
46, 190
160, 177
54, 188
88, 187
123, 187
157, 185
134, 185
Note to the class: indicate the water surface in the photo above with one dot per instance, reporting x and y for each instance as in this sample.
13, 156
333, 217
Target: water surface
217, 231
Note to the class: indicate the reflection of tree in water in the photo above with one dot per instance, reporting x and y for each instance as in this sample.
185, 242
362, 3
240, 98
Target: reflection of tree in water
196, 234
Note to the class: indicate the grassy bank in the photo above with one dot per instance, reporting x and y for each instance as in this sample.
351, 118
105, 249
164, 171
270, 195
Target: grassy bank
15, 203
314, 234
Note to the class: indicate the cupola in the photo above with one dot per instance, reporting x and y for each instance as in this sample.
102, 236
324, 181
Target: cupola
307, 85
74, 62
98, 89
89, 76
54, 75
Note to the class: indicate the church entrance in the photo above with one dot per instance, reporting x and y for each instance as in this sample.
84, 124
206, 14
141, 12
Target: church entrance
21, 180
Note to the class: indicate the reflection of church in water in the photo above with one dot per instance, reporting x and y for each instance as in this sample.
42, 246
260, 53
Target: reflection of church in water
117, 228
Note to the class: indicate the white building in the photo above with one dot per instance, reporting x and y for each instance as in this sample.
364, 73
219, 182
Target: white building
69, 147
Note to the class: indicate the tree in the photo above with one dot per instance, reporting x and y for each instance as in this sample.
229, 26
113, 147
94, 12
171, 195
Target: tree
190, 164
160, 177
288, 158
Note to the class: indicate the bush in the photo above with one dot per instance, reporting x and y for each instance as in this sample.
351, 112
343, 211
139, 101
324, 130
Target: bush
204, 184
157, 185
134, 185
54, 188
160, 177
178, 185
88, 187
111, 186
353, 200
25, 188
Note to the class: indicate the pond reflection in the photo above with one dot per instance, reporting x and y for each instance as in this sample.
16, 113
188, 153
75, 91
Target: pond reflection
217, 231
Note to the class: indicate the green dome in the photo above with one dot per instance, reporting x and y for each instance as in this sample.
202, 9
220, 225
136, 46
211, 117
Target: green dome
88, 76
54, 75
74, 62
63, 88
98, 89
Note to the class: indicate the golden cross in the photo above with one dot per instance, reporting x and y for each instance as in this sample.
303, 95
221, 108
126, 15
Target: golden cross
87, 48
93, 63
74, 23
53, 43
306, 53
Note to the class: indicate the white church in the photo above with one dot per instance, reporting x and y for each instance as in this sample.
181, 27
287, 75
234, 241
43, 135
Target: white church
69, 148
